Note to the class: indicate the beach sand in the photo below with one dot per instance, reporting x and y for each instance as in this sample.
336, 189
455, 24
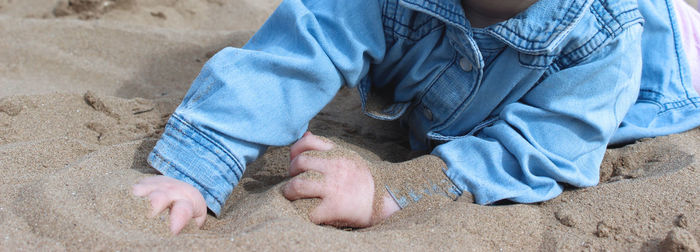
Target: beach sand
86, 89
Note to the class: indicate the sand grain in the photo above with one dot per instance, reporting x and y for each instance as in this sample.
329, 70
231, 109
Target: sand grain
87, 89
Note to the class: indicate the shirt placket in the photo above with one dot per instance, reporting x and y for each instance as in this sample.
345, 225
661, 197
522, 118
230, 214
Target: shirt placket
470, 61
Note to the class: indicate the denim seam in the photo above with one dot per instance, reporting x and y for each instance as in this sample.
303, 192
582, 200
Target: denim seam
644, 90
569, 59
176, 169
235, 160
396, 33
489, 121
614, 18
528, 39
423, 92
395, 111
423, 36
394, 18
439, 6
388, 28
678, 47
447, 20
606, 26
601, 20
201, 145
534, 65
407, 26
623, 25
481, 35
208, 149
440, 74
384, 21
668, 106
419, 37
451, 118
624, 13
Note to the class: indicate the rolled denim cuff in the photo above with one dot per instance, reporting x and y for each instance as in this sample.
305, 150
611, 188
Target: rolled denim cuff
186, 154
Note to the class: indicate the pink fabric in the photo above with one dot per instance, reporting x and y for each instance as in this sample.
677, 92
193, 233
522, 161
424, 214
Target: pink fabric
689, 26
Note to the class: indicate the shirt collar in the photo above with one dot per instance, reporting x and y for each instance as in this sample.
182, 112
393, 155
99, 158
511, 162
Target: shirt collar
449, 11
537, 30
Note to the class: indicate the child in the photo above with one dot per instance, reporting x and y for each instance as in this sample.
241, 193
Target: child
515, 98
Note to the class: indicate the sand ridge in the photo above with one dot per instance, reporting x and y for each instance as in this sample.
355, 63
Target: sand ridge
83, 101
81, 185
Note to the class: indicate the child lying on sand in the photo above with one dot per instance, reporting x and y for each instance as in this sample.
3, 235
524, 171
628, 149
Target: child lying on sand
515, 99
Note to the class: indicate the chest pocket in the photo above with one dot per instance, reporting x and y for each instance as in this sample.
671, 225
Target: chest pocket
461, 102
444, 97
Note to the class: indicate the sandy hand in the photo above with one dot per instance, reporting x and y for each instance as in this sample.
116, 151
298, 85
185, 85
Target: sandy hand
357, 193
185, 201
346, 187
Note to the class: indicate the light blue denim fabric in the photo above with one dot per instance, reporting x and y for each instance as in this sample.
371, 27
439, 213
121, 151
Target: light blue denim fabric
667, 101
516, 109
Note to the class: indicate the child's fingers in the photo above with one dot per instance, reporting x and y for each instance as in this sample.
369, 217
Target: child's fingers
153, 180
159, 202
300, 188
324, 214
146, 185
141, 190
200, 212
309, 142
200, 219
180, 215
304, 163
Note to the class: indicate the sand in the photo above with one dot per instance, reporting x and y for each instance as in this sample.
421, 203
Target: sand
86, 89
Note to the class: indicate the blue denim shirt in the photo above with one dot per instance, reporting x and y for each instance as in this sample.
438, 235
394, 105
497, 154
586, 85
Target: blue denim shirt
516, 109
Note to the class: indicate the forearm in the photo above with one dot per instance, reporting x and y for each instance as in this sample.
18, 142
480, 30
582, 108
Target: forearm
264, 94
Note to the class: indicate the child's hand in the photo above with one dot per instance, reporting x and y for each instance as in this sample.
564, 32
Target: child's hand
346, 189
185, 201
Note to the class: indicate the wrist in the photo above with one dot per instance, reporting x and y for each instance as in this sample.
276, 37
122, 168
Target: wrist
389, 206
421, 181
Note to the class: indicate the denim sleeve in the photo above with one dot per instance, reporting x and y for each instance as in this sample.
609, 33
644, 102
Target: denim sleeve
266, 92
556, 134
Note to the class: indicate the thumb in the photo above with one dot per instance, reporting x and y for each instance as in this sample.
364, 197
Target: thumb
323, 214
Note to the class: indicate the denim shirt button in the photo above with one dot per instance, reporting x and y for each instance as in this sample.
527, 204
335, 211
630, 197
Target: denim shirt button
465, 64
427, 113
